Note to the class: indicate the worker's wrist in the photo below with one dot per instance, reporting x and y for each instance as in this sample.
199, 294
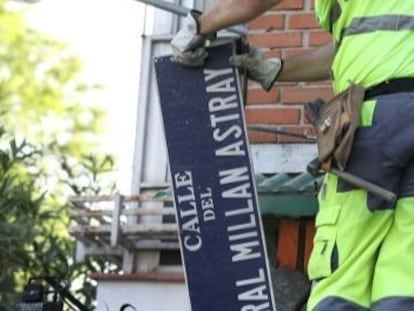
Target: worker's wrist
198, 18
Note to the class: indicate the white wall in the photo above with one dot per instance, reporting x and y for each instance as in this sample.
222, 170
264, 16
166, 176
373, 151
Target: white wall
142, 296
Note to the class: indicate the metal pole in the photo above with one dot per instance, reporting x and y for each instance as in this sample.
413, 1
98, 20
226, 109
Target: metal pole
274, 130
182, 11
167, 6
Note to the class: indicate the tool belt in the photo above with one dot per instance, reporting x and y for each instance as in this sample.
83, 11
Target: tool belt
335, 122
336, 125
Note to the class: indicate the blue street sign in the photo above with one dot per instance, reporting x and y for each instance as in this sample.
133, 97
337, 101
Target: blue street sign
220, 229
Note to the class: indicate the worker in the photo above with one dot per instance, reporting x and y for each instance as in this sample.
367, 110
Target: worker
363, 255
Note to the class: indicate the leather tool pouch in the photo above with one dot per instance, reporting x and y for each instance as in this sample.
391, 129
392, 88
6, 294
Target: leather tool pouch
336, 127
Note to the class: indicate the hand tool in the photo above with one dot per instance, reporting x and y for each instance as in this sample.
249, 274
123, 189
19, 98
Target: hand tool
275, 130
314, 168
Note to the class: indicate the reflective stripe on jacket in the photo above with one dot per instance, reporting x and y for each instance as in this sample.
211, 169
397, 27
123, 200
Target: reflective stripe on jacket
374, 39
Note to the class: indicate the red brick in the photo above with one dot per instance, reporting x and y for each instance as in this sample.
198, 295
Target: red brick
302, 21
318, 38
277, 40
261, 137
289, 5
297, 95
268, 22
279, 115
268, 32
259, 96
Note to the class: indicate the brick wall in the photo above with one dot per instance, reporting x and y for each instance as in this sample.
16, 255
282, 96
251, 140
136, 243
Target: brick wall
289, 29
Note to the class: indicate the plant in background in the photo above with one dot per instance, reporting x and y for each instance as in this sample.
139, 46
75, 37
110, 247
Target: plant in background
49, 150
33, 223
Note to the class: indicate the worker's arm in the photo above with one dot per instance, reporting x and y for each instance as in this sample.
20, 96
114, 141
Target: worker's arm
226, 13
311, 66
188, 44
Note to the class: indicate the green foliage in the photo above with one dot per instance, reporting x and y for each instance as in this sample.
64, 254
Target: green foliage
24, 235
33, 236
40, 85
41, 102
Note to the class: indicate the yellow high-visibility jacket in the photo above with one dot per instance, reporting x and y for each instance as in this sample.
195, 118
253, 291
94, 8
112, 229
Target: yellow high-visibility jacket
374, 39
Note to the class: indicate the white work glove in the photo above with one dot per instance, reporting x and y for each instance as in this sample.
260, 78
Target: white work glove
265, 71
188, 45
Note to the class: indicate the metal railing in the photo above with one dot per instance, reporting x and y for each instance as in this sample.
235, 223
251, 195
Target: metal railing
109, 225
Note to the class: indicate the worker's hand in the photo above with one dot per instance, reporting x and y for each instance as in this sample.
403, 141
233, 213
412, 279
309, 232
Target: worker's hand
188, 45
265, 71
